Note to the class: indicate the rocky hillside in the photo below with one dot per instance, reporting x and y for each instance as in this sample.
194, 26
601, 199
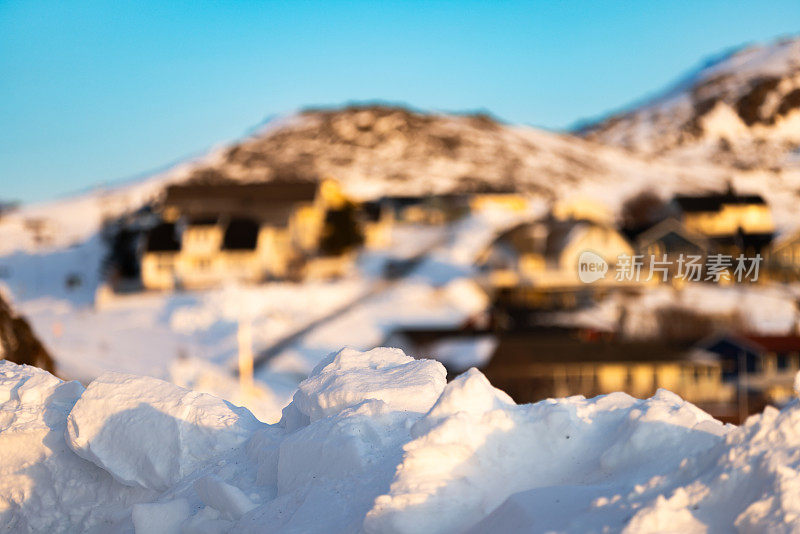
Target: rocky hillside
18, 343
741, 110
376, 150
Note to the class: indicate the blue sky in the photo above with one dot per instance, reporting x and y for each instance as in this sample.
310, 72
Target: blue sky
97, 92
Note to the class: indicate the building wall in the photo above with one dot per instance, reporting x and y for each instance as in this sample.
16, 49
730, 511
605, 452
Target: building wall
752, 218
275, 251
696, 382
378, 234
508, 202
158, 270
786, 253
605, 241
305, 225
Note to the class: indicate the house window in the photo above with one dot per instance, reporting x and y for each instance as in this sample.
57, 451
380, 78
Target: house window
164, 262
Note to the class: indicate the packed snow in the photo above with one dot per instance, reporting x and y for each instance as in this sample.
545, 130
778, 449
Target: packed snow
377, 441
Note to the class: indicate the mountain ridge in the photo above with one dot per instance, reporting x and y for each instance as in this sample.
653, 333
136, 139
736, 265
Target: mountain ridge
741, 109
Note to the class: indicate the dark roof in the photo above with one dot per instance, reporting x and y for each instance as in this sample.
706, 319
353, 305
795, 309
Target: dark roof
162, 238
671, 232
241, 234
556, 237
556, 345
269, 202
399, 202
714, 201
779, 344
445, 201
203, 220
420, 336
486, 188
744, 241
728, 344
371, 210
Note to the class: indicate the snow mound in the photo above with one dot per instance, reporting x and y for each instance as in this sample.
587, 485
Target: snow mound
349, 377
376, 442
154, 433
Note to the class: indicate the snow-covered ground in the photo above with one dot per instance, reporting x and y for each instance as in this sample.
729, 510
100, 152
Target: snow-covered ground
767, 309
379, 442
89, 332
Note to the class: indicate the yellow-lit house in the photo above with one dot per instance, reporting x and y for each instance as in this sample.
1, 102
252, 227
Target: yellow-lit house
557, 362
248, 232
545, 253
732, 222
161, 250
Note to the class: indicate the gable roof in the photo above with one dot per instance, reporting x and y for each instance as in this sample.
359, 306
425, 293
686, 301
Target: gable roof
778, 344
268, 202
667, 226
557, 234
714, 201
719, 342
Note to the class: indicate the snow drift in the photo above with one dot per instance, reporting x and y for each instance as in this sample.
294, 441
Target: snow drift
378, 442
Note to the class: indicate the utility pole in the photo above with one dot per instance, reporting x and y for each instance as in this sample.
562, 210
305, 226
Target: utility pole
245, 338
742, 381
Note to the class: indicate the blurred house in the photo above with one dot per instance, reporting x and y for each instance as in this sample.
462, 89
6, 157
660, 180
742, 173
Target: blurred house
377, 221
556, 362
534, 259
249, 232
427, 209
669, 240
783, 258
160, 257
732, 223
672, 238
762, 366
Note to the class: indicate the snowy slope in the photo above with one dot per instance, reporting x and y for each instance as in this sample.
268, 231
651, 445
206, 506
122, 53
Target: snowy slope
378, 442
374, 150
741, 110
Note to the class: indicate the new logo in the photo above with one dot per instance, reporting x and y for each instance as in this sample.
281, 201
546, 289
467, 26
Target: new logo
591, 267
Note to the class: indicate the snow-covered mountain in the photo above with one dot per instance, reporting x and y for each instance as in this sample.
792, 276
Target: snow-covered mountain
377, 149
735, 119
374, 150
741, 110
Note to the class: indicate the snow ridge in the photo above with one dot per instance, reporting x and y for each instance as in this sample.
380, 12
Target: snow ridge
376, 442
